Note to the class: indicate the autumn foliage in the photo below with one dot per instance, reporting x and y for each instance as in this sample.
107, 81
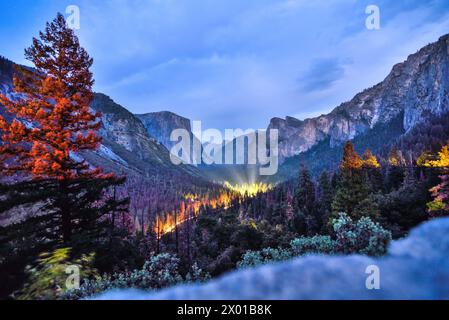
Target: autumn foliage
440, 192
52, 115
51, 125
370, 160
351, 160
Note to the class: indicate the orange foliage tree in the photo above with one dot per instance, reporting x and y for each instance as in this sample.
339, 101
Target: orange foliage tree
351, 160
370, 160
440, 193
52, 123
52, 115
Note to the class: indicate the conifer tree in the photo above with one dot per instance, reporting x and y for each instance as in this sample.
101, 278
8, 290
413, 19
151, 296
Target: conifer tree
353, 187
372, 170
305, 193
52, 122
325, 192
395, 171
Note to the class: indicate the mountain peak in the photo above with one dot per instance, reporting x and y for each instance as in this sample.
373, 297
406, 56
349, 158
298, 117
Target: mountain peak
416, 88
161, 124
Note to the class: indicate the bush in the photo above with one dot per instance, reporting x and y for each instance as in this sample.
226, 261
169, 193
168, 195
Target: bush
364, 236
159, 272
255, 258
316, 244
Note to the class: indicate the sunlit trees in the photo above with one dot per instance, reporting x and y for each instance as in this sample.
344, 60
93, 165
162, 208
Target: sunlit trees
353, 187
369, 160
351, 160
440, 193
52, 124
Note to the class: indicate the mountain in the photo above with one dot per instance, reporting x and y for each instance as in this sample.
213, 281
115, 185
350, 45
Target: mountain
409, 105
161, 124
124, 136
414, 90
126, 147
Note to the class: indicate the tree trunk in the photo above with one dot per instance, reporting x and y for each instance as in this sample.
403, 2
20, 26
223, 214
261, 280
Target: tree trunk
63, 206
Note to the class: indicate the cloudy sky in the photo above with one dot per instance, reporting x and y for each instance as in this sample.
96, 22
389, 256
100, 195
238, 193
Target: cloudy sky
234, 63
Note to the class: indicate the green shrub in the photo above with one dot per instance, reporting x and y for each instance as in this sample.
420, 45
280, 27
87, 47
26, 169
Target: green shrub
255, 258
159, 272
316, 244
364, 236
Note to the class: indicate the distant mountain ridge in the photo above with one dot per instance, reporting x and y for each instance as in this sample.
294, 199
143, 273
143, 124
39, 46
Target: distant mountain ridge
127, 147
415, 91
418, 88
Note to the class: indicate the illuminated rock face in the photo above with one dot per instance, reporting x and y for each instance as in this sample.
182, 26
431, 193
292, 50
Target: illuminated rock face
415, 268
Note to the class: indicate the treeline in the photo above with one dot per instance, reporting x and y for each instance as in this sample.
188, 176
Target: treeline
387, 197
393, 191
429, 135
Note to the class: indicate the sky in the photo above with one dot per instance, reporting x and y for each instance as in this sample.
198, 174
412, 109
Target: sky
233, 63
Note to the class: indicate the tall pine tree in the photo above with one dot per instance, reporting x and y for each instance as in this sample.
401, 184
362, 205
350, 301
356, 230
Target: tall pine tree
52, 122
353, 187
305, 193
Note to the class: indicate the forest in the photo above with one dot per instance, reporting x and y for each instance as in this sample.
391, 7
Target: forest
129, 231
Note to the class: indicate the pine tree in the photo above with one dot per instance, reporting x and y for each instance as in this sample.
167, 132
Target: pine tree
372, 169
353, 187
325, 192
52, 122
395, 171
305, 193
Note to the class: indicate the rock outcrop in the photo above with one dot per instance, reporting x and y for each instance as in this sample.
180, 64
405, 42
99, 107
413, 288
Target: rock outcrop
417, 88
416, 267
160, 125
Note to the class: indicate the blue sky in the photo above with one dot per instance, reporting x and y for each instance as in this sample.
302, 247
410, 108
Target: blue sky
234, 63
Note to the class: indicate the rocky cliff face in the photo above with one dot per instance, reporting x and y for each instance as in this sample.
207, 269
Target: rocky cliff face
125, 137
161, 124
418, 87
414, 268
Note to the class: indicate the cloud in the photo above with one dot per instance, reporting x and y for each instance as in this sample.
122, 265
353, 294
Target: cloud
322, 74
238, 63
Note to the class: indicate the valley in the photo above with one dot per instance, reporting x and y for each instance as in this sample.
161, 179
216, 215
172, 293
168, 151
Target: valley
84, 181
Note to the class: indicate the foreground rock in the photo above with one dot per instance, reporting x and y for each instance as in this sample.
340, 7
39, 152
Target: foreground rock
415, 268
